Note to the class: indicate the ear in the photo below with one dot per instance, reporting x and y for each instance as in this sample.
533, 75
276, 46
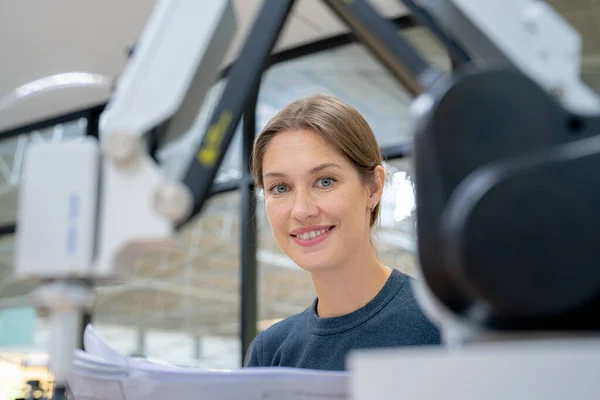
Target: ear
375, 188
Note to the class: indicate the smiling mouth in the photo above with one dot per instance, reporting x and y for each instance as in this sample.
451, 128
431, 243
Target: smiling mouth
313, 234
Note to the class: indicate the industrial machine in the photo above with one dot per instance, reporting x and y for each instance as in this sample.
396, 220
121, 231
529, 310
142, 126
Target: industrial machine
504, 149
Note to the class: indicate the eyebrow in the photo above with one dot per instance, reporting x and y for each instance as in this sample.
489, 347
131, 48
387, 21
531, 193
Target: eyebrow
312, 171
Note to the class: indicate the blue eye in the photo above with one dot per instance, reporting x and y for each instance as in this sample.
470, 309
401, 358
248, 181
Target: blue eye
278, 189
326, 182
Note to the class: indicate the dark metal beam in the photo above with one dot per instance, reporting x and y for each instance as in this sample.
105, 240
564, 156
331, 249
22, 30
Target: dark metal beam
457, 53
86, 318
225, 187
396, 151
241, 81
330, 43
381, 38
47, 123
93, 120
248, 234
8, 229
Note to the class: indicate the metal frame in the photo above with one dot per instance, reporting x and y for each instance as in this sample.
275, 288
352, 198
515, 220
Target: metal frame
249, 242
381, 38
88, 113
361, 19
457, 53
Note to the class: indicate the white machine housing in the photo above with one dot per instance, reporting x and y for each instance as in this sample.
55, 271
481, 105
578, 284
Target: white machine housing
552, 369
56, 220
531, 35
186, 41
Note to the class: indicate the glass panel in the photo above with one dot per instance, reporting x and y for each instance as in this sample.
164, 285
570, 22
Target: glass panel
429, 47
395, 234
7, 287
23, 350
182, 306
352, 74
13, 293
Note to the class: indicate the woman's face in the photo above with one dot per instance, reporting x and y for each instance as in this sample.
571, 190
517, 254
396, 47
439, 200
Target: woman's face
317, 205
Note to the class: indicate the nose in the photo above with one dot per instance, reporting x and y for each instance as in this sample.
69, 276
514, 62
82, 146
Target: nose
304, 206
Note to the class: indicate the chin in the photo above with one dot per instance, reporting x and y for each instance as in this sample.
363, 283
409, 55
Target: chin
314, 262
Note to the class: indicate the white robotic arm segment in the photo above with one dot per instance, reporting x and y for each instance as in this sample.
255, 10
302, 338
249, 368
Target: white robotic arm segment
56, 218
129, 217
539, 42
174, 47
527, 34
184, 41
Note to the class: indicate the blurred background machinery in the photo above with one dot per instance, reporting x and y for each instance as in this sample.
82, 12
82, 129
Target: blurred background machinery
186, 306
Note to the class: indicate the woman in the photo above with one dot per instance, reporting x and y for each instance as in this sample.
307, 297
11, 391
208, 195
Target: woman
319, 165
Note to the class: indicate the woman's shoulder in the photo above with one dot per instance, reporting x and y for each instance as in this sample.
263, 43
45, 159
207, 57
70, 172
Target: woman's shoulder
268, 341
284, 327
402, 284
404, 312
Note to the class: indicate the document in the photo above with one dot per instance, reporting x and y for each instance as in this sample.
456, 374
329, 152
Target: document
101, 373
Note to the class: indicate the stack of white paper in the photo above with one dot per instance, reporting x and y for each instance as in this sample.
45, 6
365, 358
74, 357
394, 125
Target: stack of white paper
101, 373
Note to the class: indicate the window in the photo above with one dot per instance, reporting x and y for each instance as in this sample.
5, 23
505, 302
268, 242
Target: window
181, 306
355, 76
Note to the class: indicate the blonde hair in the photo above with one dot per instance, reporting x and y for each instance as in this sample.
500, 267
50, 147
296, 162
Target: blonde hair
338, 123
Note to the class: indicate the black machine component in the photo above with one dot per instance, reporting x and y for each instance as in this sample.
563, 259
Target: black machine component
507, 205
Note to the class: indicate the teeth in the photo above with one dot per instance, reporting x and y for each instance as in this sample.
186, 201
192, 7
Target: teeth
312, 234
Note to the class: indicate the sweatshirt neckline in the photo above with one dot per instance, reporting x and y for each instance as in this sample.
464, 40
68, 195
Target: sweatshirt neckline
333, 325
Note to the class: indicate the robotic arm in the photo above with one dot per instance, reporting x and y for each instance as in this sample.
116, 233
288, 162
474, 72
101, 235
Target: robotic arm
502, 150
505, 199
176, 61
111, 199
528, 35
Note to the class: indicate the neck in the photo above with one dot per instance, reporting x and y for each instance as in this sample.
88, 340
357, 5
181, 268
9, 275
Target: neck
350, 287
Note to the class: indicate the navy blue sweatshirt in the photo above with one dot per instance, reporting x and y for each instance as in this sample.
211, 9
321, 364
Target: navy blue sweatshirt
391, 319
